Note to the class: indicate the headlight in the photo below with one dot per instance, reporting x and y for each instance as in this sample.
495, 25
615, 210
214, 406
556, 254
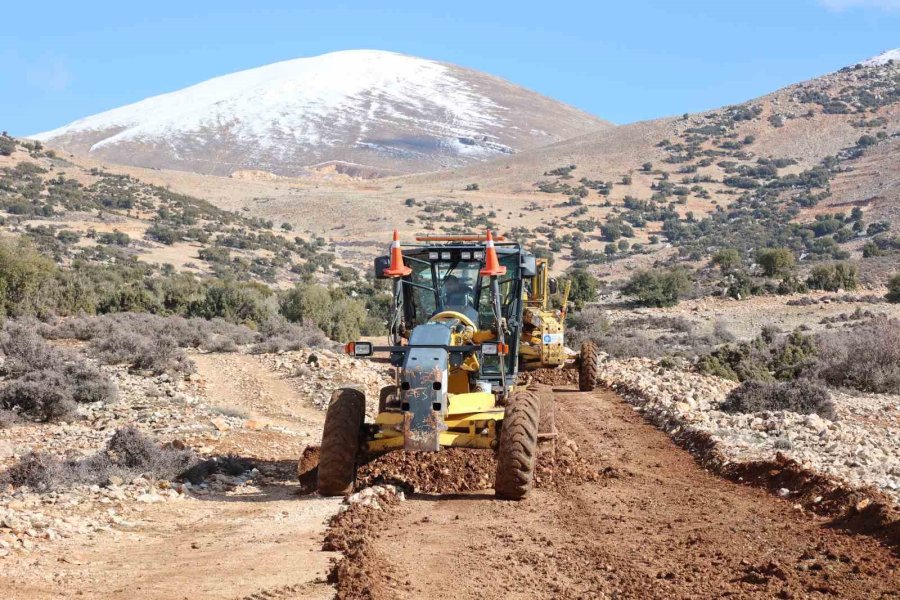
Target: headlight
358, 349
494, 349
490, 349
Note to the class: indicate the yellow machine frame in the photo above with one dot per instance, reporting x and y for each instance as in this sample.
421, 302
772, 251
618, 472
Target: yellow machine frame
544, 345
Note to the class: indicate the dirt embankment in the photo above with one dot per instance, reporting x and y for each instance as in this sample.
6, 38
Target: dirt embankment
661, 527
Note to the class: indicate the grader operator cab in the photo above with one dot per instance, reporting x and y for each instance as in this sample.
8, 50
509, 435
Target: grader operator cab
468, 315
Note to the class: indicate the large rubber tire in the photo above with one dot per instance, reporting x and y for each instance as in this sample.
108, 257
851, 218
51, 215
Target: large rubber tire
387, 398
588, 372
518, 446
341, 442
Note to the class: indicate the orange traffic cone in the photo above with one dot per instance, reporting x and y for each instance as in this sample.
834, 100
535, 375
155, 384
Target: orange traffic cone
397, 268
491, 263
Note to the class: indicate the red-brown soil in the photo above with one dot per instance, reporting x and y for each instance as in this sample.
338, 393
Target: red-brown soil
653, 523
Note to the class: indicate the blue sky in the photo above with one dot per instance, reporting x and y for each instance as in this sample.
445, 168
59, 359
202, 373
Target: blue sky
623, 61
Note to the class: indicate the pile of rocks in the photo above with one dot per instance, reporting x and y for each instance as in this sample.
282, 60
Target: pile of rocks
376, 496
862, 447
28, 519
317, 373
166, 407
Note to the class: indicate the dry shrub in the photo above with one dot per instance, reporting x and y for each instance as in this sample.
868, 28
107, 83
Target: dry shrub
213, 335
128, 454
865, 357
8, 418
801, 396
280, 335
26, 351
151, 342
45, 383
632, 336
40, 395
156, 354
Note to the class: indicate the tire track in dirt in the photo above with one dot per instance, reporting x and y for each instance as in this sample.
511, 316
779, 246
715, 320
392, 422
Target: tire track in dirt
657, 526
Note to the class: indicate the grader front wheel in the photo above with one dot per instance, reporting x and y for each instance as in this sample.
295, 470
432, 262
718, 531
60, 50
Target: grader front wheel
340, 442
588, 372
518, 446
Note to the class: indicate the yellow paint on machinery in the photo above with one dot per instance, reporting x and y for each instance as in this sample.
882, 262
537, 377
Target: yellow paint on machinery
471, 415
543, 330
470, 421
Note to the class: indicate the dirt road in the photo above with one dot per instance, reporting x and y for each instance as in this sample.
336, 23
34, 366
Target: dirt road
261, 542
655, 525
658, 527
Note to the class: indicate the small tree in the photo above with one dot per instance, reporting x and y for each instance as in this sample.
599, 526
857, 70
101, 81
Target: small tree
893, 294
727, 260
584, 287
656, 287
776, 261
866, 140
647, 167
7, 145
832, 278
611, 231
472, 187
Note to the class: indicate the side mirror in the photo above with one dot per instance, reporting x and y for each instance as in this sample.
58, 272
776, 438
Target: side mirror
528, 264
553, 285
382, 263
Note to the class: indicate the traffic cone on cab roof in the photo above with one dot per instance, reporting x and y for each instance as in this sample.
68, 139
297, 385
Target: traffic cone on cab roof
492, 265
397, 268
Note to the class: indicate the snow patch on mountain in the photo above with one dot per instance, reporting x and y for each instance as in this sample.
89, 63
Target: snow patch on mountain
883, 58
389, 111
303, 99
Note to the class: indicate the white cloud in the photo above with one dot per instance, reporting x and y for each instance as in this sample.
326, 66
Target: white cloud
842, 5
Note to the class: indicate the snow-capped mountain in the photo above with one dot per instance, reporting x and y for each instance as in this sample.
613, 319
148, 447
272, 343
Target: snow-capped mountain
390, 111
883, 58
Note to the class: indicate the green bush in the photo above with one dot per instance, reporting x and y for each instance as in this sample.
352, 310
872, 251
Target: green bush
769, 357
893, 294
28, 281
584, 287
341, 317
727, 260
7, 145
833, 277
776, 261
657, 287
114, 238
246, 303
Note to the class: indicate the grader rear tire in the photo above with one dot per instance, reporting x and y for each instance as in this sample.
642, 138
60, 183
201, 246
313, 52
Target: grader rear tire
341, 442
518, 447
590, 366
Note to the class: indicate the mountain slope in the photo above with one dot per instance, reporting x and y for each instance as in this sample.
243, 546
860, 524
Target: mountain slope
385, 110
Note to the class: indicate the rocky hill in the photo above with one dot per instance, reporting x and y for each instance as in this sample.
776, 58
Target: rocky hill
367, 111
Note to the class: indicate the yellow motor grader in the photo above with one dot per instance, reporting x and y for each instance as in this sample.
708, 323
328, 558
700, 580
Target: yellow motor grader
468, 315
